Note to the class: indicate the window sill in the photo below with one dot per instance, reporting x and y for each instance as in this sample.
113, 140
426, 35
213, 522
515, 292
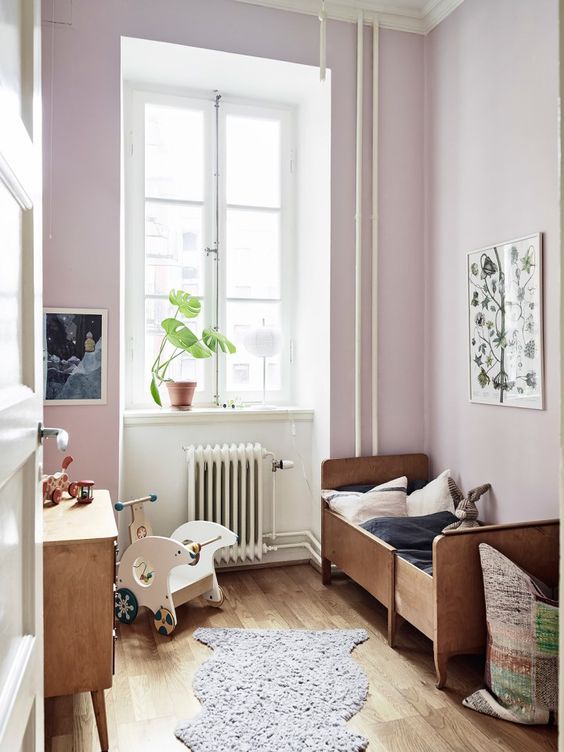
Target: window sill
155, 416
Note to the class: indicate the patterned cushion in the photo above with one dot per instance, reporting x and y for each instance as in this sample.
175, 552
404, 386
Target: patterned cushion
522, 652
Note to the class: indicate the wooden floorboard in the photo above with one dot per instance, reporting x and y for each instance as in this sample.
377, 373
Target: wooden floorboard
404, 712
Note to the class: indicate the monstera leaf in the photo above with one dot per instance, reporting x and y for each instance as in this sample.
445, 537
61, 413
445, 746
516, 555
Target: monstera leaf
187, 304
198, 350
155, 391
178, 334
215, 340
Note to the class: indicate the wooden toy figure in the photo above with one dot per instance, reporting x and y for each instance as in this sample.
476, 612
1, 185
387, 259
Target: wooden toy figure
54, 486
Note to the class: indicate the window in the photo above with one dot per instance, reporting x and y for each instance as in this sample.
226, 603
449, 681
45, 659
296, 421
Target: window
178, 212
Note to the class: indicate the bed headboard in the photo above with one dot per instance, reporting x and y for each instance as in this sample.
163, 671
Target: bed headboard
379, 469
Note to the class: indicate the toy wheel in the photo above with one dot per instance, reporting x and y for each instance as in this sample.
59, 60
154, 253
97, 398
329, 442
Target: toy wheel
126, 606
218, 603
56, 496
164, 621
72, 490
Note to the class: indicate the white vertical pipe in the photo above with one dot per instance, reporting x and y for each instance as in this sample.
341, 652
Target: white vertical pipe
358, 237
375, 225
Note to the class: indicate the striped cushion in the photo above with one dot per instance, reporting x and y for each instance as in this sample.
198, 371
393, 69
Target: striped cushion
386, 500
522, 652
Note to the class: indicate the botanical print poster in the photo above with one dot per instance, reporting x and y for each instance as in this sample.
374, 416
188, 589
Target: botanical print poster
505, 324
75, 356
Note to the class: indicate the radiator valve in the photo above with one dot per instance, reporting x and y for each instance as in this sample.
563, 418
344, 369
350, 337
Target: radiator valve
281, 465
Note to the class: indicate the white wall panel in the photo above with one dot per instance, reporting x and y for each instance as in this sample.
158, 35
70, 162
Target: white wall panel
154, 461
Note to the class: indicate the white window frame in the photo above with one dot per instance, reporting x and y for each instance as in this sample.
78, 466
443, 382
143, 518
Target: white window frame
137, 380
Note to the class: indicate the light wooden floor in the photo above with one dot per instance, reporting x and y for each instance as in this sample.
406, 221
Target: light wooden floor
404, 712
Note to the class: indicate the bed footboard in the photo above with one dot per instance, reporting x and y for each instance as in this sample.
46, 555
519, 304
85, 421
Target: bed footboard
368, 560
358, 553
458, 592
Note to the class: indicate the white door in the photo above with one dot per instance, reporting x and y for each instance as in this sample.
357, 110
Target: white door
21, 594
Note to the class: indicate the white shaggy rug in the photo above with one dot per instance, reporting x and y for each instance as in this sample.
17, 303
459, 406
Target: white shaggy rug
277, 691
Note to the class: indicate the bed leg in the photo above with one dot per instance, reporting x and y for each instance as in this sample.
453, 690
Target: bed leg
326, 571
394, 622
391, 627
441, 661
392, 613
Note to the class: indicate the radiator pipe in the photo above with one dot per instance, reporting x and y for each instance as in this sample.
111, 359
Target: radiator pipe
273, 536
305, 545
306, 533
276, 465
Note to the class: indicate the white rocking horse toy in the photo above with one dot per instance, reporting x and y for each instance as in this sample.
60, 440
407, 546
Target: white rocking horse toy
163, 573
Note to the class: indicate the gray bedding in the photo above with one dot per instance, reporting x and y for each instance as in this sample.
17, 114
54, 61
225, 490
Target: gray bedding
412, 536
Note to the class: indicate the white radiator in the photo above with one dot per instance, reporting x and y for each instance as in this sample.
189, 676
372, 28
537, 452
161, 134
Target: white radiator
225, 485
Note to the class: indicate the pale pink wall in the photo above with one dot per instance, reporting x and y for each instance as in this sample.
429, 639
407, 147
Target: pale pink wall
82, 259
492, 148
489, 78
401, 240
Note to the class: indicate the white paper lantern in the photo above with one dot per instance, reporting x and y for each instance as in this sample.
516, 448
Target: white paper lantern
263, 341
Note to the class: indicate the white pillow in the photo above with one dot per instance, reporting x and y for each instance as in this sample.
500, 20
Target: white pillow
434, 497
386, 500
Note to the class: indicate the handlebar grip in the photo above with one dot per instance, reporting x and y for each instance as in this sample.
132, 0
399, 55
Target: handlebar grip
119, 505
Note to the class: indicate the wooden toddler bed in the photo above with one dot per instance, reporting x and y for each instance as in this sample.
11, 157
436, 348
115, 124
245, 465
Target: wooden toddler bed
448, 607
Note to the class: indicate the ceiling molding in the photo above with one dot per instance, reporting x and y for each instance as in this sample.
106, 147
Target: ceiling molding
436, 11
388, 15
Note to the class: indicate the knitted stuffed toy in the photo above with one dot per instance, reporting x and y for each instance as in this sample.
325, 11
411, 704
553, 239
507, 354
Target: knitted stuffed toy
466, 509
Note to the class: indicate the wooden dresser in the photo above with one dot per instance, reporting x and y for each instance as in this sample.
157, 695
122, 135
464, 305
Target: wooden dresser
79, 566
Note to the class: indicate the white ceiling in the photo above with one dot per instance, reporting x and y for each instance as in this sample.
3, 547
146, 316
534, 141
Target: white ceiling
418, 16
192, 69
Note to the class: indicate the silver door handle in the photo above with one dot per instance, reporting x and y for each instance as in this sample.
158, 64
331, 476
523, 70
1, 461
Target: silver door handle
57, 433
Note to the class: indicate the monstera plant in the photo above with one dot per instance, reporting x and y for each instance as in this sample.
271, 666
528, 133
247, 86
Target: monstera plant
178, 339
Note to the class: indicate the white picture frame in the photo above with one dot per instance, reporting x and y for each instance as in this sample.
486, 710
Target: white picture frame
75, 366
505, 324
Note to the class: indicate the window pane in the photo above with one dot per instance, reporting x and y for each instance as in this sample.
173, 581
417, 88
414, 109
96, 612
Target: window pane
174, 152
253, 161
244, 371
253, 254
173, 248
182, 368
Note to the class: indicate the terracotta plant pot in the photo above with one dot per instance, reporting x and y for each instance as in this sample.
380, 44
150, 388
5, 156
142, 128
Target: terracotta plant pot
181, 393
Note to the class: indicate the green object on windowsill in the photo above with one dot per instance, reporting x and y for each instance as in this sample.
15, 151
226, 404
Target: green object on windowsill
183, 339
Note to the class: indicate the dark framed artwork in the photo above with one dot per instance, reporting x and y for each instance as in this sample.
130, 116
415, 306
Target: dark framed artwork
75, 356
